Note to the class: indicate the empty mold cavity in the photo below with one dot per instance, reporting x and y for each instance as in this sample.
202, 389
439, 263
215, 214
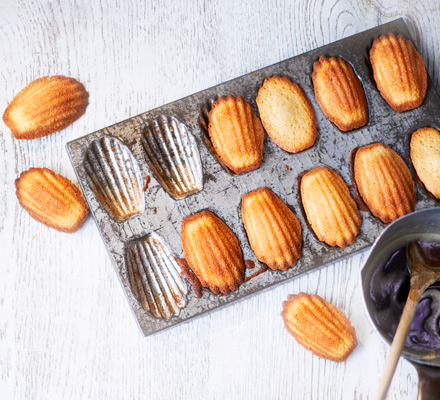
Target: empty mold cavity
155, 277
114, 176
173, 156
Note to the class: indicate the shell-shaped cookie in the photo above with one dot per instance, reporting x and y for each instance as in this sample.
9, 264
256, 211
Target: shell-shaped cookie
273, 230
425, 156
339, 93
399, 72
155, 277
51, 199
330, 210
287, 114
236, 134
319, 326
173, 156
384, 182
114, 176
45, 106
212, 252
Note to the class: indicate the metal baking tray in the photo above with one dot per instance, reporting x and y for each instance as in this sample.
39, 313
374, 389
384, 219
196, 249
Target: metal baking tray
222, 192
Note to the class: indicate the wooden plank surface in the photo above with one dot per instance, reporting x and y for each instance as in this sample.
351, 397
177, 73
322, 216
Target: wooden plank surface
66, 330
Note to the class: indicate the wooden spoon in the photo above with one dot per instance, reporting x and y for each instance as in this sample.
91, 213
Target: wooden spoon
424, 264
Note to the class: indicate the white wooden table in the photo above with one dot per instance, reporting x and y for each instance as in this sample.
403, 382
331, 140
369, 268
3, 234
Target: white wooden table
66, 329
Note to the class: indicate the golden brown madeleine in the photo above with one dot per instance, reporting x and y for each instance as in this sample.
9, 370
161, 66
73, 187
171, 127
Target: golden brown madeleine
51, 199
273, 230
236, 134
45, 106
339, 93
384, 182
425, 156
330, 210
287, 114
399, 72
212, 252
319, 326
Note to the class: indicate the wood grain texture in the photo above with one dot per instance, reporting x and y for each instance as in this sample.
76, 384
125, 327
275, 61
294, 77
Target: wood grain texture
66, 330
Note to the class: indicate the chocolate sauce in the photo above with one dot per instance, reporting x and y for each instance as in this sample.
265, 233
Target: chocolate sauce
147, 182
249, 264
389, 288
189, 275
264, 268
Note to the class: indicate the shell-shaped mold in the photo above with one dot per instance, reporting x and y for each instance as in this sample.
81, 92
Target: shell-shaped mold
399, 72
213, 252
155, 277
114, 176
319, 326
339, 93
273, 230
173, 156
330, 210
384, 182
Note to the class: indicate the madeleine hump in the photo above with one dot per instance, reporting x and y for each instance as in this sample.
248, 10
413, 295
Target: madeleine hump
236, 134
45, 106
319, 326
425, 156
272, 228
287, 114
330, 210
213, 252
399, 72
383, 181
51, 199
339, 93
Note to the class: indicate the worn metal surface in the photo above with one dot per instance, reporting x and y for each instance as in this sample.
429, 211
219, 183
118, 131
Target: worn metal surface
114, 177
279, 171
173, 156
155, 277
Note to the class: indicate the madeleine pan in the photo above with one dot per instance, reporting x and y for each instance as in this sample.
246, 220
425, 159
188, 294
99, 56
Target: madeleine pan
186, 178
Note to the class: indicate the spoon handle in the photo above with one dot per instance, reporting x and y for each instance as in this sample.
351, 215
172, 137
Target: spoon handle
416, 291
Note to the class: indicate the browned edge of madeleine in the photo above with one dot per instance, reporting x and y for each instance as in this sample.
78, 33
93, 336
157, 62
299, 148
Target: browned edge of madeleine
408, 106
211, 145
36, 217
354, 125
40, 131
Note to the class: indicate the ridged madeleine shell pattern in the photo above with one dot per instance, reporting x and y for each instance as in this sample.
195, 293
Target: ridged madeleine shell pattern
236, 133
339, 93
45, 106
173, 156
212, 252
319, 326
384, 182
114, 176
204, 123
155, 277
51, 199
399, 72
330, 210
273, 230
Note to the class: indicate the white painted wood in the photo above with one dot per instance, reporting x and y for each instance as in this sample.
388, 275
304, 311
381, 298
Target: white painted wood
66, 329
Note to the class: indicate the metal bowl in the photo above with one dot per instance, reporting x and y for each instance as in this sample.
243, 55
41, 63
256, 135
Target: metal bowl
419, 225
